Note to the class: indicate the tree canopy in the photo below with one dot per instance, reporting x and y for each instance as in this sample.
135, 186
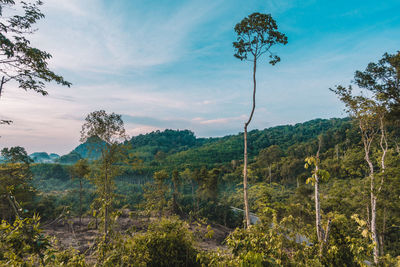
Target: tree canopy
19, 61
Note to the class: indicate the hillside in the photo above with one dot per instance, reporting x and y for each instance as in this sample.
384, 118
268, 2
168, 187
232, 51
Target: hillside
182, 147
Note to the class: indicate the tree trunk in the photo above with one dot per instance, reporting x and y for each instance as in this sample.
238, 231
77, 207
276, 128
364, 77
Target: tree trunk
12, 203
106, 204
337, 152
320, 232
175, 201
373, 203
382, 235
384, 147
246, 200
270, 174
317, 208
373, 227
193, 195
80, 201
1, 85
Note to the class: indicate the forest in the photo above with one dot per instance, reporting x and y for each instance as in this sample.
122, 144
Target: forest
325, 192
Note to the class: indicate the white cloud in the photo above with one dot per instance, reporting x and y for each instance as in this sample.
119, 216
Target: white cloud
102, 41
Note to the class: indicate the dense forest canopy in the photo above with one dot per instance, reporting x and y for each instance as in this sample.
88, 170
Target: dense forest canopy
207, 178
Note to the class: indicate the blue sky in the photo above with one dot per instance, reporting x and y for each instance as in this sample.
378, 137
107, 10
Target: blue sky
169, 64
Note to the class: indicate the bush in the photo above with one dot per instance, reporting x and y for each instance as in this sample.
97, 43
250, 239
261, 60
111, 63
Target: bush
23, 244
167, 242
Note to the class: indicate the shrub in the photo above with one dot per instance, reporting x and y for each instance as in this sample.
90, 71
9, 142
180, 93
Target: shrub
167, 242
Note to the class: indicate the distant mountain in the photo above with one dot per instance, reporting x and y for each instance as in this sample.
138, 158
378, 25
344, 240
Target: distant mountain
89, 150
54, 156
70, 158
43, 157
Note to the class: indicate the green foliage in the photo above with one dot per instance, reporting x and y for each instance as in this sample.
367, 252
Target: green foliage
255, 36
108, 130
22, 63
15, 155
223, 150
382, 78
155, 194
47, 171
320, 174
22, 243
270, 243
15, 191
70, 158
167, 242
21, 239
209, 190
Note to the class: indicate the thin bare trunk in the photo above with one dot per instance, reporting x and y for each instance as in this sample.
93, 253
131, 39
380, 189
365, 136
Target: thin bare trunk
246, 200
367, 140
12, 203
373, 209
382, 235
193, 195
337, 152
175, 198
373, 226
317, 208
317, 202
1, 85
106, 204
270, 174
384, 146
322, 234
80, 201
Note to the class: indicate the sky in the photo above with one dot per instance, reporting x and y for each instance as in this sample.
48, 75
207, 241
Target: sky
169, 65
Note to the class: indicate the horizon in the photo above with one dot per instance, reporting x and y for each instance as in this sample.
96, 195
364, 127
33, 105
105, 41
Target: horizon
171, 66
197, 137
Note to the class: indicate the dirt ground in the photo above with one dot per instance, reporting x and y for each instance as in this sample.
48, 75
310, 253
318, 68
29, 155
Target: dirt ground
82, 236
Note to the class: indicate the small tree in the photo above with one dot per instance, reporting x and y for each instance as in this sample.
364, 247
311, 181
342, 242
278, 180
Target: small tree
109, 128
256, 34
79, 171
383, 79
269, 156
369, 113
15, 174
318, 175
176, 181
155, 194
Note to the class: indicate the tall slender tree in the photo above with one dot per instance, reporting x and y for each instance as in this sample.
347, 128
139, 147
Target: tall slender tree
369, 113
256, 34
109, 130
318, 175
79, 171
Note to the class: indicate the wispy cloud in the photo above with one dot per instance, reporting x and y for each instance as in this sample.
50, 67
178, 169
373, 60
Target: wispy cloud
106, 43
